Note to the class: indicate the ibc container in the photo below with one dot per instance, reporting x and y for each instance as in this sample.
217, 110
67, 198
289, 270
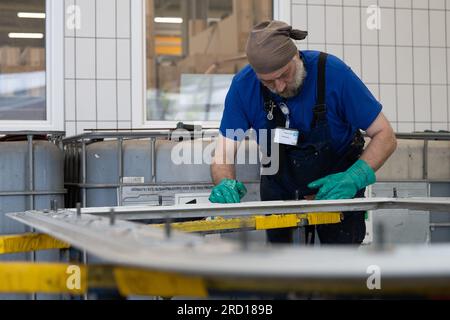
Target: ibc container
141, 171
31, 176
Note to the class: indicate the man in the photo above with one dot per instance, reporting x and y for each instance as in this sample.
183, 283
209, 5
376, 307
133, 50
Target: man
314, 106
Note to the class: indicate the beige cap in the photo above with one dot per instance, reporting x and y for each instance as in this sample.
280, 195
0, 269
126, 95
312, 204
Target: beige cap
270, 46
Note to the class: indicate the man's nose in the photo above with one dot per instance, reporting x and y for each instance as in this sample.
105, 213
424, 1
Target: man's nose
280, 85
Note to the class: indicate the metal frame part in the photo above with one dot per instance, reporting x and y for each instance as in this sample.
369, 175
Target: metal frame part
269, 207
133, 244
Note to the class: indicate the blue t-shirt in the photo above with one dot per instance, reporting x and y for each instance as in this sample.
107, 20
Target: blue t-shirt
350, 105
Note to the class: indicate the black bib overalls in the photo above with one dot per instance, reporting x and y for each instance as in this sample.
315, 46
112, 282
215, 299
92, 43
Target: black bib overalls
313, 158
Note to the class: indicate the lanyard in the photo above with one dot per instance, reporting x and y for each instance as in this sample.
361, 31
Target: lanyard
284, 108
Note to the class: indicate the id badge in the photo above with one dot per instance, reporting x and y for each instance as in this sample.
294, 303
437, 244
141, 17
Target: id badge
286, 136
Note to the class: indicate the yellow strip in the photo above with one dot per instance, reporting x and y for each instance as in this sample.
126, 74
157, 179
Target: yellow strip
213, 225
257, 222
75, 279
42, 278
323, 218
276, 221
29, 242
147, 283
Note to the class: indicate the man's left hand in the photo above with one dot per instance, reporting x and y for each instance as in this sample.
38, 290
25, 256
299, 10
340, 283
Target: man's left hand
344, 185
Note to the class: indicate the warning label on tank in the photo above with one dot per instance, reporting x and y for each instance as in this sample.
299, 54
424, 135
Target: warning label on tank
160, 194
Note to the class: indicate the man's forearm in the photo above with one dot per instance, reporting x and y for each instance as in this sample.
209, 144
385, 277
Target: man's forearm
379, 149
222, 171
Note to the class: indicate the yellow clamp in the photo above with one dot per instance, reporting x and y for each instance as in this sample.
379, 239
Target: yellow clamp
26, 242
292, 220
152, 283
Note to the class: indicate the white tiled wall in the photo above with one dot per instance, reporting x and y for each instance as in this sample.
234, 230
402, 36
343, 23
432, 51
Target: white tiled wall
405, 64
97, 67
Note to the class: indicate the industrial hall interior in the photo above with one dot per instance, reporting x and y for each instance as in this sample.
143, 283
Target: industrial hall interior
201, 150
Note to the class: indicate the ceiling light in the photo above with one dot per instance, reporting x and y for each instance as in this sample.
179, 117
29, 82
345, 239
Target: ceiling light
168, 20
13, 35
31, 15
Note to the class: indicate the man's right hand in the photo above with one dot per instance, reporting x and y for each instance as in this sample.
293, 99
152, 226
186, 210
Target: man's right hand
228, 191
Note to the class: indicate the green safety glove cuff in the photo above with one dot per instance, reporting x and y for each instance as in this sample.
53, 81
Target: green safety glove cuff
344, 185
228, 191
362, 174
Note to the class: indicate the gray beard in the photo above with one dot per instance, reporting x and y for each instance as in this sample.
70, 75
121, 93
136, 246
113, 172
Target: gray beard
300, 76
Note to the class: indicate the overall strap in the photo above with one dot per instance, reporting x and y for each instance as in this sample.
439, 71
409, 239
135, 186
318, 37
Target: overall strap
320, 109
278, 120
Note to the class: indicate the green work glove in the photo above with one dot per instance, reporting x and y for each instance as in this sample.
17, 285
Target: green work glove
228, 191
344, 185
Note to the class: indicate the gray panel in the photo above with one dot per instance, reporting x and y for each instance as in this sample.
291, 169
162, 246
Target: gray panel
409, 154
439, 160
179, 162
402, 226
102, 160
440, 233
417, 160
103, 168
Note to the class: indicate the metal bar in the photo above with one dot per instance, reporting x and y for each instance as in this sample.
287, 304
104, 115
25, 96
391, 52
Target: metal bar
421, 204
165, 133
440, 225
60, 145
76, 170
83, 173
120, 170
115, 185
34, 133
105, 135
271, 207
425, 160
84, 258
443, 136
30, 153
138, 245
70, 171
106, 185
153, 159
235, 210
66, 152
30, 171
28, 193
413, 180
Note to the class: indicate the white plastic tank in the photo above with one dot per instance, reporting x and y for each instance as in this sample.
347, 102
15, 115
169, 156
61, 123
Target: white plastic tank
19, 175
164, 174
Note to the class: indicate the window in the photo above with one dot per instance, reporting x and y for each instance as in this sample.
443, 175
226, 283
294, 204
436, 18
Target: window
193, 50
22, 62
28, 84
